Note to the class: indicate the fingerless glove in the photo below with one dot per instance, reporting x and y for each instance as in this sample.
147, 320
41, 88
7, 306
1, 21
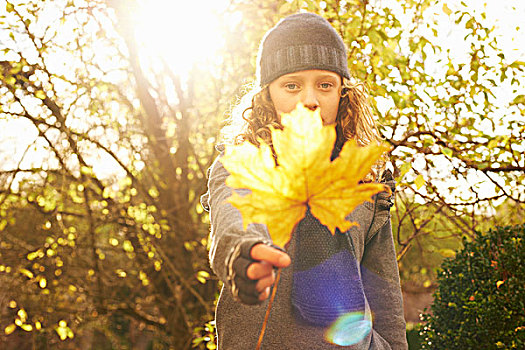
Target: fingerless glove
242, 288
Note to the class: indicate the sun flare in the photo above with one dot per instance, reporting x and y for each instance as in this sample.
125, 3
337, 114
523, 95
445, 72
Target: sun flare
180, 33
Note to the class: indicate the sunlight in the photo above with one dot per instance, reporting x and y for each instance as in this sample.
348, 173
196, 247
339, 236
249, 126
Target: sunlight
349, 329
181, 33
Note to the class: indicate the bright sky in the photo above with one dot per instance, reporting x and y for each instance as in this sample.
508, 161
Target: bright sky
509, 27
507, 18
183, 33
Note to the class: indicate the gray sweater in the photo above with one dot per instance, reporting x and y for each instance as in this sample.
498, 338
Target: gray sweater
371, 243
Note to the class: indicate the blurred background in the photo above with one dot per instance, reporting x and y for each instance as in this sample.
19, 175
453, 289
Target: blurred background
110, 111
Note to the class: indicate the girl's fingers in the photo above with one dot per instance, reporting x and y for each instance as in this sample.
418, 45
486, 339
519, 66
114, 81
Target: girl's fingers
265, 282
258, 270
265, 294
275, 257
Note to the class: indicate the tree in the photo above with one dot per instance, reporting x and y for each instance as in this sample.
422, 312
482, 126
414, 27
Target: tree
100, 225
100, 216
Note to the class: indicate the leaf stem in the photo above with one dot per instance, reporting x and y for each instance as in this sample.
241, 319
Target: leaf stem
267, 315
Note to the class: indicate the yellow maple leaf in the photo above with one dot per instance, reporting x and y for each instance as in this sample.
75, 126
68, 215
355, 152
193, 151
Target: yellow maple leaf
304, 177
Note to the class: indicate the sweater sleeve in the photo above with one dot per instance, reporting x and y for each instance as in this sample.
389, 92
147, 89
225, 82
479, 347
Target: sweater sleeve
380, 276
226, 221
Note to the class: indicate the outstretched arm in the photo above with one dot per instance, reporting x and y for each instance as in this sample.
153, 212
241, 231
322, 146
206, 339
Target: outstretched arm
238, 257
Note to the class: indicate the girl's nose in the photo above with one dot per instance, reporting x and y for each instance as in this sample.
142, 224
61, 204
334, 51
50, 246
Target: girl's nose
309, 99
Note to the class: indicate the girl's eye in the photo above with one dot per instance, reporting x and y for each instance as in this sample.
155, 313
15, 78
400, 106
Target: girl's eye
325, 85
291, 86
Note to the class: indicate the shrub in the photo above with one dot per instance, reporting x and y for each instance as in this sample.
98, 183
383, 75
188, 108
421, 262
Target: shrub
480, 300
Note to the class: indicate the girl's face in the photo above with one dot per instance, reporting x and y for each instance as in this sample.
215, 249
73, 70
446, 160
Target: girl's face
314, 88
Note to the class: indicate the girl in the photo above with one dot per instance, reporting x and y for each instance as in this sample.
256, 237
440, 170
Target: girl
334, 291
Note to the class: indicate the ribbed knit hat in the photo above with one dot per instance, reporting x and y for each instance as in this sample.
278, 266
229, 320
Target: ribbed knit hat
299, 42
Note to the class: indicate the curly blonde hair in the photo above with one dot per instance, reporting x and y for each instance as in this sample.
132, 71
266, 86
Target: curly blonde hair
254, 116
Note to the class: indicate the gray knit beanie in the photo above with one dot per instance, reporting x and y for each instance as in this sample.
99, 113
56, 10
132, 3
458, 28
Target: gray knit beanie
299, 42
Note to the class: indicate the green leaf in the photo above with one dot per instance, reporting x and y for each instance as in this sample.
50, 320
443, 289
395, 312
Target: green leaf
447, 151
517, 64
520, 99
9, 7
492, 143
428, 142
403, 169
419, 181
483, 165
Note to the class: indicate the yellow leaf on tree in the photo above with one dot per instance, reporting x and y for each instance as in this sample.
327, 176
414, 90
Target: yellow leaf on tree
27, 327
10, 329
419, 181
447, 10
304, 177
40, 94
26, 272
22, 314
447, 253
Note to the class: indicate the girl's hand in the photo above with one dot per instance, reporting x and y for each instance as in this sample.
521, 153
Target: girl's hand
251, 270
263, 270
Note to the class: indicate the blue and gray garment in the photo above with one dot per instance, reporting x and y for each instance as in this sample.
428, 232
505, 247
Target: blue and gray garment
340, 290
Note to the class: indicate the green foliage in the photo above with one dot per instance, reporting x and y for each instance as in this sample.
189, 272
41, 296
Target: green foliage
414, 337
480, 301
204, 336
430, 237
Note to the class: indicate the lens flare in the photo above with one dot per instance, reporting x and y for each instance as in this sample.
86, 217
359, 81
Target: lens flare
349, 329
